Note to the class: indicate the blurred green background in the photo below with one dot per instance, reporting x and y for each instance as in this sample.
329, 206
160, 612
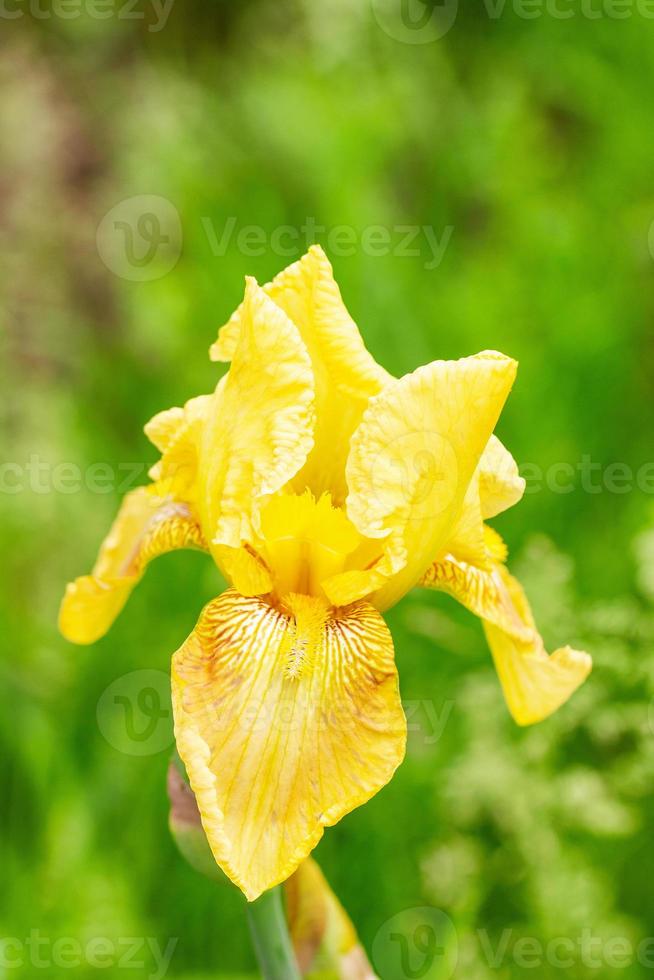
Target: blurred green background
525, 146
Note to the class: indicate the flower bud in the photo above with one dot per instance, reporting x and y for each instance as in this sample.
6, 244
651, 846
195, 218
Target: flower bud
186, 826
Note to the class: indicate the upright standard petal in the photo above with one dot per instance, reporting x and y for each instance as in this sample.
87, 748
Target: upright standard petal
259, 427
500, 483
346, 375
148, 524
467, 540
286, 719
176, 433
496, 485
410, 464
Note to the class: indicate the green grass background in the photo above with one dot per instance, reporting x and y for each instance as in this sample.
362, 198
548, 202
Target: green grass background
533, 141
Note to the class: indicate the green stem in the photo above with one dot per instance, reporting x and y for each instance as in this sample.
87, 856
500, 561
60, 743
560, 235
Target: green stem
271, 939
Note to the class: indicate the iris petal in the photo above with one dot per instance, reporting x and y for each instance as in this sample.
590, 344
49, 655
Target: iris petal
148, 524
482, 591
259, 426
411, 462
500, 483
534, 683
286, 719
176, 434
346, 375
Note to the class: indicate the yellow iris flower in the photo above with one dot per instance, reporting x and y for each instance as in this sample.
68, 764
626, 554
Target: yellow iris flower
324, 489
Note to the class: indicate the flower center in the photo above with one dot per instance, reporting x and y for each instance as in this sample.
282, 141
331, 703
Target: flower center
305, 541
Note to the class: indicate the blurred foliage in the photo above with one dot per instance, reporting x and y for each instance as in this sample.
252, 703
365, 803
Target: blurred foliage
532, 141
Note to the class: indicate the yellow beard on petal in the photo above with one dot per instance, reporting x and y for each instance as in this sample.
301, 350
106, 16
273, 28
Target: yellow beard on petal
308, 615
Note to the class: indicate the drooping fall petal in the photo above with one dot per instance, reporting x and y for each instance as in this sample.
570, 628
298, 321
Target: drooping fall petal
534, 684
482, 591
148, 524
410, 464
259, 426
346, 375
286, 720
